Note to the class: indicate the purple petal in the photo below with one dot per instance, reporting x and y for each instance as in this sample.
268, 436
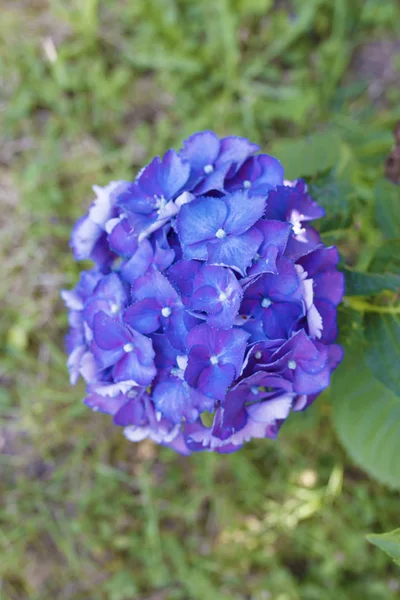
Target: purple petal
299, 246
235, 150
321, 259
139, 263
109, 334
123, 239
329, 286
279, 319
176, 400
213, 182
335, 356
181, 275
144, 315
129, 367
105, 404
74, 363
275, 233
102, 209
154, 285
106, 358
328, 314
270, 410
214, 380
148, 180
131, 413
84, 236
205, 299
311, 383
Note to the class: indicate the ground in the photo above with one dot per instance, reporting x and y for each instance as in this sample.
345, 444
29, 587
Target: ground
89, 91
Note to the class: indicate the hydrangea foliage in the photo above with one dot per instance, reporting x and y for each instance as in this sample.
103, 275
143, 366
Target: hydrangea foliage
210, 313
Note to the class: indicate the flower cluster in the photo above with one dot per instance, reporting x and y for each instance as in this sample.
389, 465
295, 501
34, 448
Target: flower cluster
212, 299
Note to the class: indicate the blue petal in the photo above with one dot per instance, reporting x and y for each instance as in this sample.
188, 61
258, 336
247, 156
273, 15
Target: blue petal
174, 173
139, 263
173, 400
214, 380
235, 252
201, 149
200, 220
243, 212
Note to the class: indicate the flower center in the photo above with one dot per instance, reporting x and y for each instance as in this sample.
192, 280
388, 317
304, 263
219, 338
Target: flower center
128, 347
160, 202
292, 365
114, 308
297, 228
266, 302
208, 169
221, 233
246, 184
214, 359
222, 297
166, 311
258, 355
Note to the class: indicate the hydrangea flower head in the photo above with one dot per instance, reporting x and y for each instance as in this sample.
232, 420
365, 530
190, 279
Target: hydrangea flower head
210, 294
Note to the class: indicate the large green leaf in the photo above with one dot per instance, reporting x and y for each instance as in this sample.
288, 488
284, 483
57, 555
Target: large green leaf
366, 415
337, 197
368, 284
387, 208
307, 156
382, 354
388, 542
387, 257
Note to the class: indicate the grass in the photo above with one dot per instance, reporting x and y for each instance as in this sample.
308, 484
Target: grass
90, 90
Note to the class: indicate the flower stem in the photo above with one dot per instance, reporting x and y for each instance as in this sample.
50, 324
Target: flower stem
362, 306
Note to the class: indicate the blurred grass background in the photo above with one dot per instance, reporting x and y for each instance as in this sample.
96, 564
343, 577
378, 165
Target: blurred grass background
89, 91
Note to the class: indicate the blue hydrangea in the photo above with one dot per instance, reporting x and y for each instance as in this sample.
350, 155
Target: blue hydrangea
211, 293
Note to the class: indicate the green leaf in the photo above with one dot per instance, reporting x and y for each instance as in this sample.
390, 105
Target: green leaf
332, 194
388, 542
366, 416
387, 258
382, 354
387, 208
369, 284
307, 156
